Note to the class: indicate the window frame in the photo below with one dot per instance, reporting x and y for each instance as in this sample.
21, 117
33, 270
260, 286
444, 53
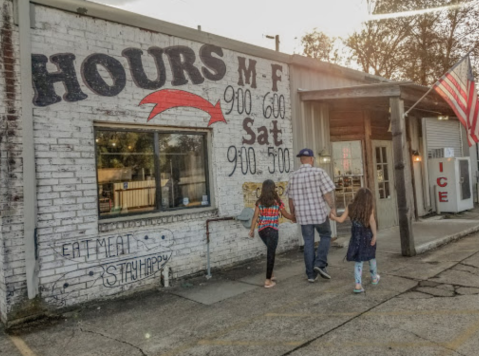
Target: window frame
156, 131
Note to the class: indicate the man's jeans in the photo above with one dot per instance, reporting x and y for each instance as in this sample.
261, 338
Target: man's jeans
319, 259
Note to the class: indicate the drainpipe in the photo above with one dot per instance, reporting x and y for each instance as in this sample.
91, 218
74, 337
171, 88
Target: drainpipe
29, 175
208, 275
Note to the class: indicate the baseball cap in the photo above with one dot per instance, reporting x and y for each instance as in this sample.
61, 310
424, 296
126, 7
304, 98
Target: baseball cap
305, 152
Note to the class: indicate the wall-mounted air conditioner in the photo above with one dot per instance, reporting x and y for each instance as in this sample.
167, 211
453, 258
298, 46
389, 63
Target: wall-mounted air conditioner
446, 152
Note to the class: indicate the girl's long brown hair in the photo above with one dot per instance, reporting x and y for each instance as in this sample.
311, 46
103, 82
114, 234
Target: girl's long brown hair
268, 196
362, 206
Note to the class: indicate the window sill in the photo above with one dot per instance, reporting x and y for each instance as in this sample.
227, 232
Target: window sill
154, 219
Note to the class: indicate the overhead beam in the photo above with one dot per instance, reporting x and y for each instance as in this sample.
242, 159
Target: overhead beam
432, 102
357, 92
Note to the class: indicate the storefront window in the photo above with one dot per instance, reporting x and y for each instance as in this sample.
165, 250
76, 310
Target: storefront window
182, 170
144, 171
382, 169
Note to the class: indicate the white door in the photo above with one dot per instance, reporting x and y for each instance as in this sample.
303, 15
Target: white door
386, 204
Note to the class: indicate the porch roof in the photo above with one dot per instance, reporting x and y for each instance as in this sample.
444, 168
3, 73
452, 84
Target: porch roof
376, 97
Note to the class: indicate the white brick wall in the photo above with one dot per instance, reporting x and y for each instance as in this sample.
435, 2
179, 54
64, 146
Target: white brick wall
73, 268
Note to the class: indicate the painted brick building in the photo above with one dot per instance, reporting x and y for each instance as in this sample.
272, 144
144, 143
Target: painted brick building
121, 135
138, 137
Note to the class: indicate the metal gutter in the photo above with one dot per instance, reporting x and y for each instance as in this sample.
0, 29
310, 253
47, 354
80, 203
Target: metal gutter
29, 173
361, 86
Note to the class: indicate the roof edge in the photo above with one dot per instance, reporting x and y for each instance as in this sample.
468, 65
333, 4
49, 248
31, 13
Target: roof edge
316, 64
113, 14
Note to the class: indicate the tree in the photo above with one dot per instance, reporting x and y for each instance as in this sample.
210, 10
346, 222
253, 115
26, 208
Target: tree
414, 45
320, 46
378, 46
117, 149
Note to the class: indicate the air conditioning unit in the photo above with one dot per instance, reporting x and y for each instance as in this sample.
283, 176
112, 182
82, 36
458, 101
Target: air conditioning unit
446, 152
451, 184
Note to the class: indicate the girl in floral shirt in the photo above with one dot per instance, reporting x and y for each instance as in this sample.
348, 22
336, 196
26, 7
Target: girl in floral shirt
268, 208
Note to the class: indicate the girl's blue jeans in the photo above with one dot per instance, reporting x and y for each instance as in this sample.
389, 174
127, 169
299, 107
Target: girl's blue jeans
358, 270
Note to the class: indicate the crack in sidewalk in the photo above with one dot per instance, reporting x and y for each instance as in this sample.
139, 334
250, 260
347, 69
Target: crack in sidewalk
469, 272
468, 265
435, 295
112, 338
309, 342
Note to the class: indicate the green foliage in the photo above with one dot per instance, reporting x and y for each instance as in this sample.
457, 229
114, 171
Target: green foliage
401, 42
125, 149
319, 46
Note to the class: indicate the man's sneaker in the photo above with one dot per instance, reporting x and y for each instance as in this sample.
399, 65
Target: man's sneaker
312, 280
322, 272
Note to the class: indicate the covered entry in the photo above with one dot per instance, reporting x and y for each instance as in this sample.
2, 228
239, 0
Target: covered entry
362, 157
372, 145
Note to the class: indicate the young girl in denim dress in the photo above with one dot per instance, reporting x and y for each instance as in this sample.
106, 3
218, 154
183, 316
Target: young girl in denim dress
362, 245
268, 208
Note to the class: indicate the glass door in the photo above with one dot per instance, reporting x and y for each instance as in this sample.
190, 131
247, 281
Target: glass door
348, 176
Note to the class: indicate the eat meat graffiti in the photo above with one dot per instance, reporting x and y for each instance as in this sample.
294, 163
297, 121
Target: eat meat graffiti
112, 261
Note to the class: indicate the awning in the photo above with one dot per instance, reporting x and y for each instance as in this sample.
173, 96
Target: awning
376, 97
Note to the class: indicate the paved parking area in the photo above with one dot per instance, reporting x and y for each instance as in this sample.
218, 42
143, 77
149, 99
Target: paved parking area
425, 305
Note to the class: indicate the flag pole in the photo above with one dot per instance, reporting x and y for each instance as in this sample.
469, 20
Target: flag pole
437, 81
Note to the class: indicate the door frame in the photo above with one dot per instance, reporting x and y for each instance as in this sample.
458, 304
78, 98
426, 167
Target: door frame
391, 179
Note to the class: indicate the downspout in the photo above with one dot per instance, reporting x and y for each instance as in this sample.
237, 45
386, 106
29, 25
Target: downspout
208, 275
29, 174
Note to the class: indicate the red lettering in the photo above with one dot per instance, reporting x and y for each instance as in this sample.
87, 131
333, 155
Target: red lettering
439, 183
441, 168
443, 197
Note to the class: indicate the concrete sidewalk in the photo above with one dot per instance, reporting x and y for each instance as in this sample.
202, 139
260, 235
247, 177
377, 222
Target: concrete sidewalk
430, 234
424, 305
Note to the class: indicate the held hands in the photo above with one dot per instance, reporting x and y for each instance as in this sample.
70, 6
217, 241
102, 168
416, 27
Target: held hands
333, 215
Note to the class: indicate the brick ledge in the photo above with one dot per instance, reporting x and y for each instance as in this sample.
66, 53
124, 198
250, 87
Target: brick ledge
136, 222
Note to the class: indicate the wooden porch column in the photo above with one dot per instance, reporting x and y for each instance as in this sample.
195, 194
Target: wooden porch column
402, 174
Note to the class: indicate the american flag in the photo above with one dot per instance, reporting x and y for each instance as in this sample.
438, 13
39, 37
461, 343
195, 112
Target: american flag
458, 89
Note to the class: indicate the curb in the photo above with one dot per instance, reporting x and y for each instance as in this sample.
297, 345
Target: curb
445, 240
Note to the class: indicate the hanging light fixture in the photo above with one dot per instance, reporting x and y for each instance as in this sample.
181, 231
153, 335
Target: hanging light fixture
114, 139
324, 157
416, 157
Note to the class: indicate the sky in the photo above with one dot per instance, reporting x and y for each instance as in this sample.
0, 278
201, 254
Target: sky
251, 20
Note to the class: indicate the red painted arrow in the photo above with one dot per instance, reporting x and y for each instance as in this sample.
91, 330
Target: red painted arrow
171, 98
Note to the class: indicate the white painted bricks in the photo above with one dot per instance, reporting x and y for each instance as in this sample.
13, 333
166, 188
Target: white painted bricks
70, 271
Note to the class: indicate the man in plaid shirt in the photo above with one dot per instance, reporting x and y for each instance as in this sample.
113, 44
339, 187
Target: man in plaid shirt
309, 189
